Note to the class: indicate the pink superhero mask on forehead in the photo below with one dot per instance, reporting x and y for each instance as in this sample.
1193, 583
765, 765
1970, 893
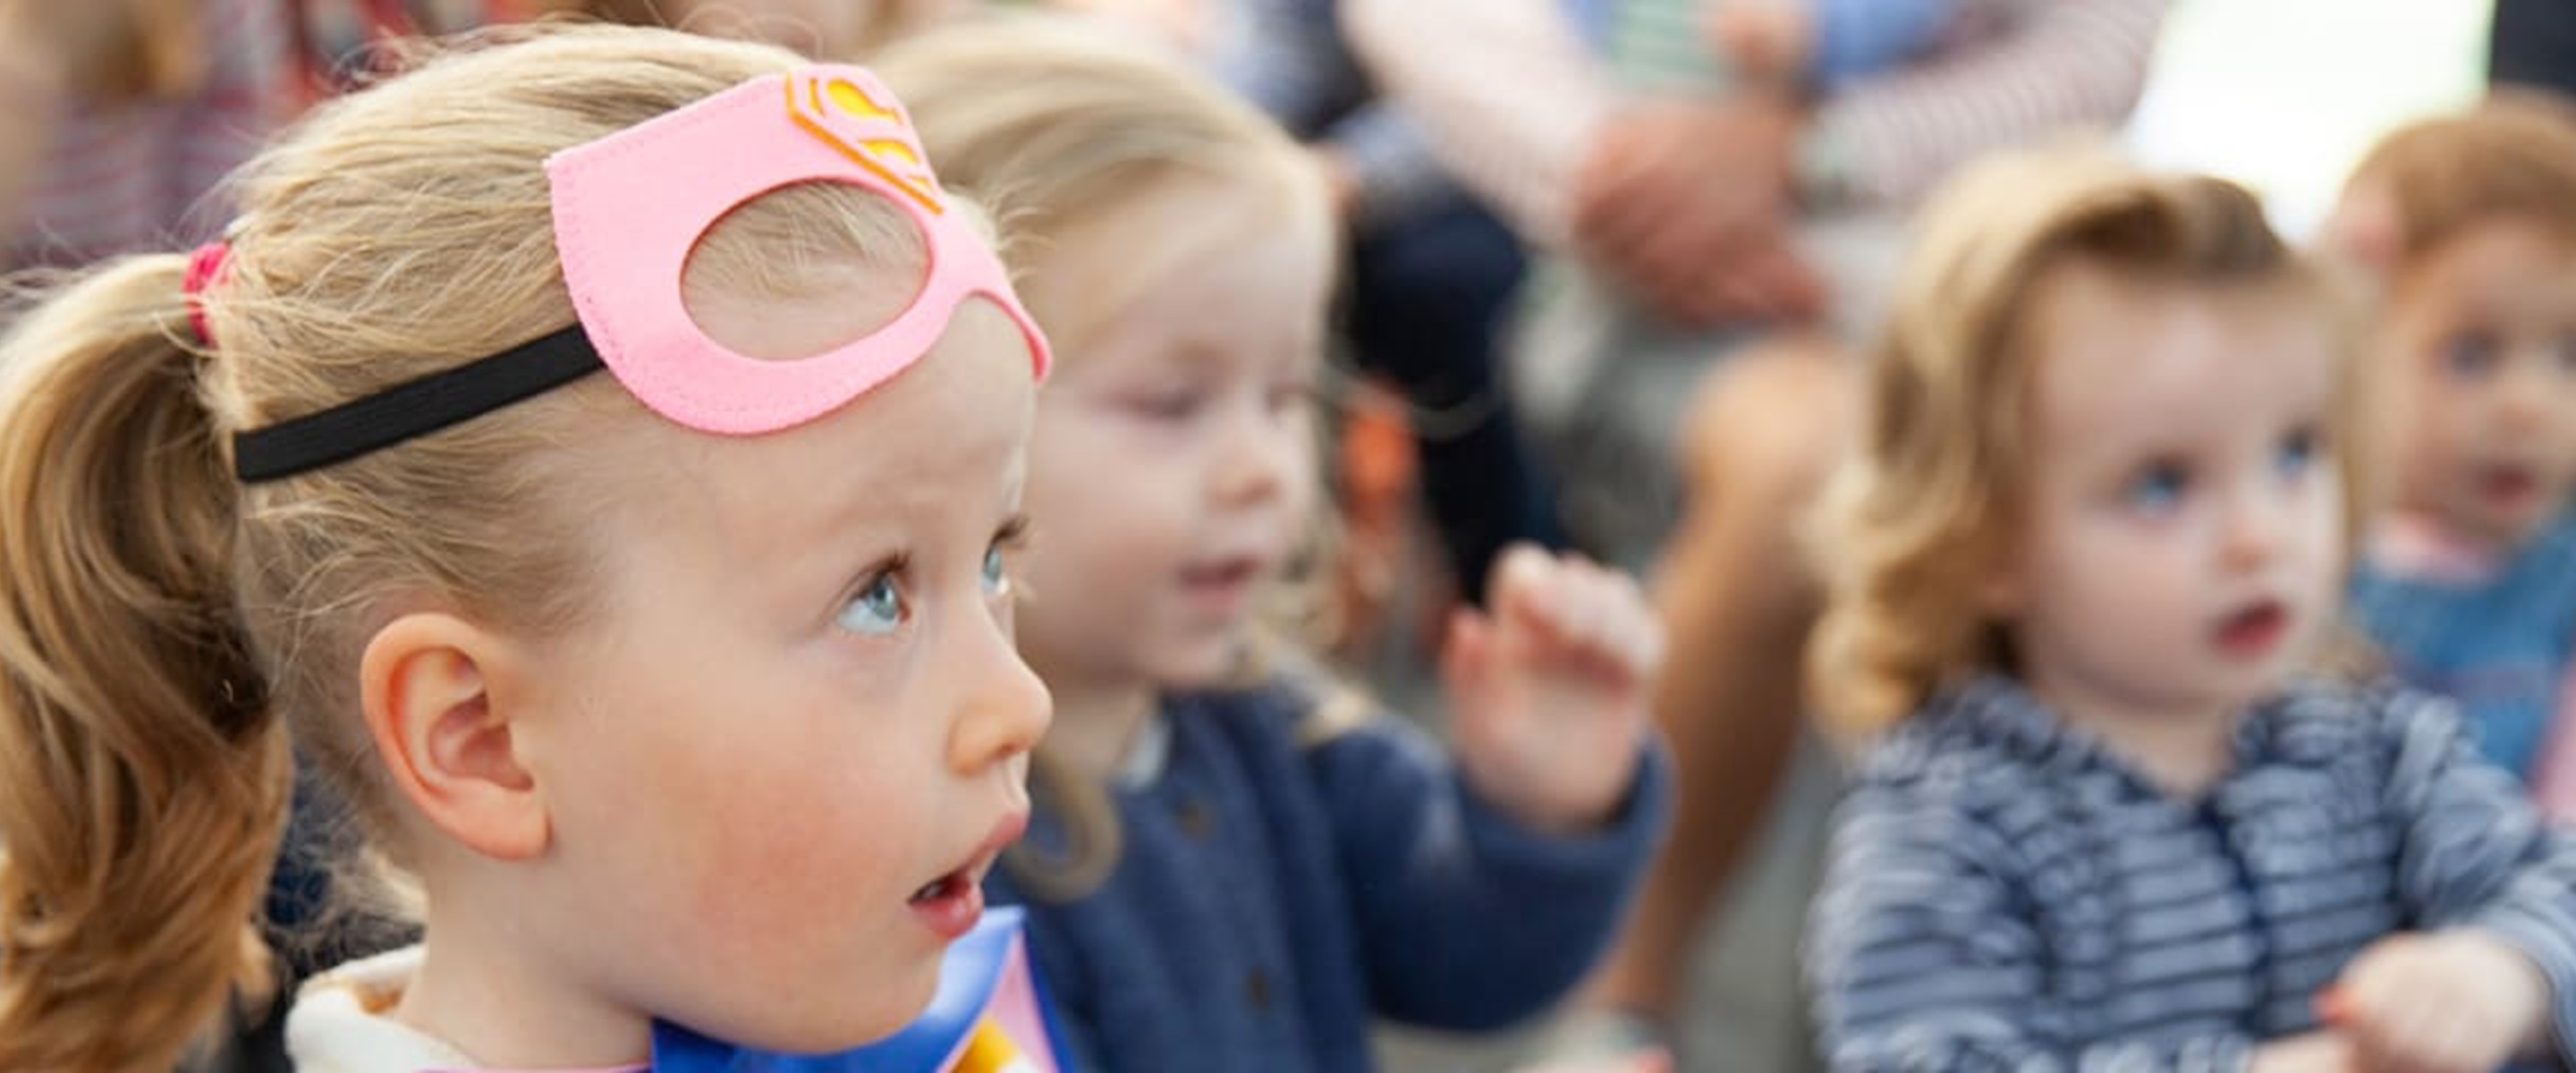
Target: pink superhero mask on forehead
628, 209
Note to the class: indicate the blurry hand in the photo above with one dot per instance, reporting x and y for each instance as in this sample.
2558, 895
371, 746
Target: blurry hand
1688, 205
2316, 1052
1549, 692
1763, 281
2457, 1001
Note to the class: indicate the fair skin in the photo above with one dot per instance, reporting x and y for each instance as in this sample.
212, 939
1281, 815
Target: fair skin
757, 797
2450, 1002
1688, 203
2181, 546
2177, 558
2481, 361
1172, 467
1734, 578
1193, 397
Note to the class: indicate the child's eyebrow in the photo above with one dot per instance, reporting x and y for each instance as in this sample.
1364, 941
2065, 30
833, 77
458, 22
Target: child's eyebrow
835, 519
1197, 353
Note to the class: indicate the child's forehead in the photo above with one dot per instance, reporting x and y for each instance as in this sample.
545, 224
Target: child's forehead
2510, 244
1198, 299
2129, 353
2115, 306
948, 430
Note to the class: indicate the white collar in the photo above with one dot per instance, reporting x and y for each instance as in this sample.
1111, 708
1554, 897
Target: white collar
342, 1022
1147, 756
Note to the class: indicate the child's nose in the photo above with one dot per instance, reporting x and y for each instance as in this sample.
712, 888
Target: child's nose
1004, 708
2524, 399
1257, 464
2255, 519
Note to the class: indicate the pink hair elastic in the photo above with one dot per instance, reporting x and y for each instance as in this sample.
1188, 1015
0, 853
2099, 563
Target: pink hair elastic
205, 266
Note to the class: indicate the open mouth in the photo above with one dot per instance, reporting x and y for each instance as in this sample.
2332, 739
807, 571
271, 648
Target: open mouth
1233, 573
951, 904
2510, 487
1223, 586
2254, 629
953, 885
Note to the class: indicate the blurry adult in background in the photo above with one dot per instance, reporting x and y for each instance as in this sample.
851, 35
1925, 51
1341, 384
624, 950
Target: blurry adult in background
122, 118
338, 36
2533, 43
1704, 221
338, 31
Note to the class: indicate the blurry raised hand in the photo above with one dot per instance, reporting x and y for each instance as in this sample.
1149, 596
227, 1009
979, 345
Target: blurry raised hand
2457, 1001
1549, 689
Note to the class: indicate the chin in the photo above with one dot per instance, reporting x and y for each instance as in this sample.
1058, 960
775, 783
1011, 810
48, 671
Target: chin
833, 1025
1190, 671
2251, 686
1212, 659
2511, 530
2526, 528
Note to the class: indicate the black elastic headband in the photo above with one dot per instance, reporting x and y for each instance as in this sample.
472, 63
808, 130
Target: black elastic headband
413, 408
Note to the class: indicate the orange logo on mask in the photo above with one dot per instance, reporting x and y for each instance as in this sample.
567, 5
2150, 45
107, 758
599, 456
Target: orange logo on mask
848, 117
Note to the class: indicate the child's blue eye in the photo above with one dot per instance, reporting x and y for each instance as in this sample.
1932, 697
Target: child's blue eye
2298, 452
2470, 355
997, 573
877, 610
2158, 487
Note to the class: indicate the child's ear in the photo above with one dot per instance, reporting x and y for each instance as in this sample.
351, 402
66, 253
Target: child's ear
425, 688
2366, 231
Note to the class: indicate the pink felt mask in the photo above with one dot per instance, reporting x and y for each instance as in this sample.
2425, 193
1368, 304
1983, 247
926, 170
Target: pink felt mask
628, 209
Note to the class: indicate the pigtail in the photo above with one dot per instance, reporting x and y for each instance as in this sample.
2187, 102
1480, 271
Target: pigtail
1069, 866
1092, 839
143, 778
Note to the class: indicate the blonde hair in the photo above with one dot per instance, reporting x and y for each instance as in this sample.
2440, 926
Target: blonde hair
164, 624
2512, 156
1916, 518
1054, 123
